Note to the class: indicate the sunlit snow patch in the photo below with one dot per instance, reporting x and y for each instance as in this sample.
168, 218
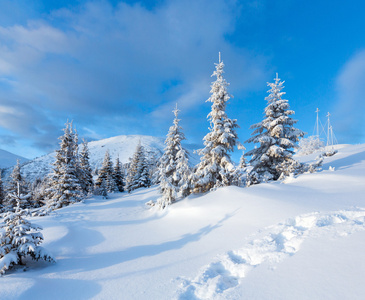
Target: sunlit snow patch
272, 246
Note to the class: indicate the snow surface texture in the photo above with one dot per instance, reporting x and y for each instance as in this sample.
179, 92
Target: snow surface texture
122, 146
121, 249
8, 159
278, 243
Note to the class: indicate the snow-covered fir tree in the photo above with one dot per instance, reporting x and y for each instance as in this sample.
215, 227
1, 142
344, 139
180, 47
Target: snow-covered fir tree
79, 172
153, 165
2, 194
87, 182
216, 168
16, 182
118, 175
241, 170
138, 171
143, 178
96, 171
102, 189
183, 172
172, 176
106, 173
38, 192
242, 164
276, 136
64, 183
20, 238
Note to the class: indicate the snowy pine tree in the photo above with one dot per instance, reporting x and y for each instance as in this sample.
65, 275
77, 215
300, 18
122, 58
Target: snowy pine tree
153, 165
215, 168
241, 169
183, 172
173, 166
118, 175
102, 189
16, 182
138, 171
38, 192
87, 182
2, 194
106, 173
143, 175
276, 136
64, 185
19, 238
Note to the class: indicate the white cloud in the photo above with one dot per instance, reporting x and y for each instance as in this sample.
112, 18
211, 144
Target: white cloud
95, 63
350, 108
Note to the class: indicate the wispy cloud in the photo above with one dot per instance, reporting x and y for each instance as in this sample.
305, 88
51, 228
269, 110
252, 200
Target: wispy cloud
350, 108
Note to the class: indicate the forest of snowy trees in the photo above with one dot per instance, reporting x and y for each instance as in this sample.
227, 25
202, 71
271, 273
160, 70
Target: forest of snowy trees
72, 178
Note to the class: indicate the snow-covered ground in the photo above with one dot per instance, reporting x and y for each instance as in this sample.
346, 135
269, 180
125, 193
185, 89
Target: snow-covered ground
303, 238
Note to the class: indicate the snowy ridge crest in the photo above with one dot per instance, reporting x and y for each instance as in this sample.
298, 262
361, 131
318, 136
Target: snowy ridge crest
8, 159
271, 246
122, 146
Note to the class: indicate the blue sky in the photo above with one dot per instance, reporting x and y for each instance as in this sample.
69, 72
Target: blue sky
119, 67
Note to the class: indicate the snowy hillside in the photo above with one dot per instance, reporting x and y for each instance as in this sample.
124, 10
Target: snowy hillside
122, 146
302, 238
8, 159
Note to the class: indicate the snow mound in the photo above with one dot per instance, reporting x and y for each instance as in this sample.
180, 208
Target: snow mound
271, 246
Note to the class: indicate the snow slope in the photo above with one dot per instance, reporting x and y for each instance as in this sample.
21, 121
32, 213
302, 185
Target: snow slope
8, 159
122, 146
303, 238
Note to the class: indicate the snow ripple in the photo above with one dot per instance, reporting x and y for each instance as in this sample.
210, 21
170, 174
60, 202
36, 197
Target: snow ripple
275, 244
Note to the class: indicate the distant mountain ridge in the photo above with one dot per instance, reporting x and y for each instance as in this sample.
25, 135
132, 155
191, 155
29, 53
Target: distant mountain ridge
122, 146
8, 159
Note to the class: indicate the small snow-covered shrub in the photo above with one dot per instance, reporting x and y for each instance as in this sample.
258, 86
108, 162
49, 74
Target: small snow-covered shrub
329, 153
151, 203
20, 238
309, 145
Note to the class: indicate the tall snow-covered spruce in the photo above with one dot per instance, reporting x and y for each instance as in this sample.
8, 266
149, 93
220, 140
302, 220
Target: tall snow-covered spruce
173, 166
64, 185
276, 137
216, 168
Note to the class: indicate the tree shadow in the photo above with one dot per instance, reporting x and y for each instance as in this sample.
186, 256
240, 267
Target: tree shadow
106, 259
77, 239
57, 288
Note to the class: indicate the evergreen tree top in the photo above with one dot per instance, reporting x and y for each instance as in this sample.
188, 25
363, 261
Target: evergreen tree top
275, 91
218, 87
176, 112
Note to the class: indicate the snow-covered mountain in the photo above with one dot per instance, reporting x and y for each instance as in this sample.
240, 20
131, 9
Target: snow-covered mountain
8, 159
300, 238
122, 146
